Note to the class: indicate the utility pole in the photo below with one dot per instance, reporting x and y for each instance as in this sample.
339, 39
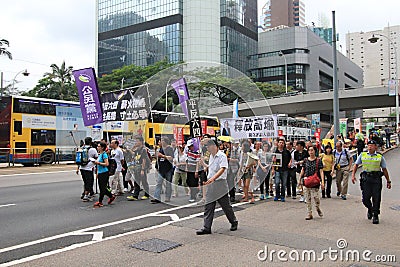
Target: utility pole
335, 81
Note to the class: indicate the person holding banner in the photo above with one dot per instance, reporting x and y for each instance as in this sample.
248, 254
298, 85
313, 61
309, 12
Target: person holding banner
281, 173
165, 171
193, 159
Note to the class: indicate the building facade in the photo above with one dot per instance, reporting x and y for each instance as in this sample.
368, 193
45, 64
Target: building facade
309, 61
142, 32
378, 60
289, 13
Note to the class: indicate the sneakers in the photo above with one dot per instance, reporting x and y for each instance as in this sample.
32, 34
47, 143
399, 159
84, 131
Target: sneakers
276, 198
267, 196
234, 226
155, 201
98, 205
294, 197
131, 198
375, 219
192, 200
283, 199
144, 197
125, 190
201, 202
110, 200
302, 199
343, 197
309, 217
85, 198
262, 197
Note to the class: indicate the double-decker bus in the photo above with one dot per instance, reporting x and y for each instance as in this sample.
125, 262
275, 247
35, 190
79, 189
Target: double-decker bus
35, 130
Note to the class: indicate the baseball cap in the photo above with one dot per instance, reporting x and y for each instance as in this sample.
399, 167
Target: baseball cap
189, 143
371, 142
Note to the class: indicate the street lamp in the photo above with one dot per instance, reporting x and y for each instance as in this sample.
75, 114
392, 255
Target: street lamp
24, 72
284, 57
373, 40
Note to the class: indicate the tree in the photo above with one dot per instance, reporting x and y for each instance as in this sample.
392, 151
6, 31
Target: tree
57, 84
3, 50
132, 75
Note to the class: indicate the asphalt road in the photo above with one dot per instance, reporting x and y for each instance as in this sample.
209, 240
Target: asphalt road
41, 210
37, 209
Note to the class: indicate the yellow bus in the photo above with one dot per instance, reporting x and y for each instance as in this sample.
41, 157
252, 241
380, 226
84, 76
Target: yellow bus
35, 130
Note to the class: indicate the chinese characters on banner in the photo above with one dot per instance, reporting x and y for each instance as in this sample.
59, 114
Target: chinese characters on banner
194, 118
89, 97
178, 135
252, 127
124, 106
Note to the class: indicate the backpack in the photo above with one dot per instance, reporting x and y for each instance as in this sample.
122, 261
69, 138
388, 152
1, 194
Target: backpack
82, 156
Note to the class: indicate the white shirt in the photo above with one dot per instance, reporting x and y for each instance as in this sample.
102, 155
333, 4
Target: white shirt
92, 157
118, 155
216, 163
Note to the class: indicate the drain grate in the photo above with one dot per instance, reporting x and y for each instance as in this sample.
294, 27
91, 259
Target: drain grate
395, 207
156, 245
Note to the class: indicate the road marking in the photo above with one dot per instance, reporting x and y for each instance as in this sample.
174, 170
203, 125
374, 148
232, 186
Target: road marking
31, 173
97, 236
174, 218
7, 205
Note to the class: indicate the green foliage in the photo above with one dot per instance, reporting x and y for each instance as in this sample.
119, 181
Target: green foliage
133, 76
57, 84
271, 90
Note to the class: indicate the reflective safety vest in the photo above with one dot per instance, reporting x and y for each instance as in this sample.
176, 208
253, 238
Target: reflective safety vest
371, 163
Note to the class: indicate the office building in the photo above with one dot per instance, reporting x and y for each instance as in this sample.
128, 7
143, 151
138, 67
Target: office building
309, 61
289, 13
142, 32
378, 60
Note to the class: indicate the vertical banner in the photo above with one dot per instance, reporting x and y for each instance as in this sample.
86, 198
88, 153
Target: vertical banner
235, 109
89, 97
343, 127
183, 94
315, 122
204, 126
357, 124
392, 86
194, 118
178, 135
370, 125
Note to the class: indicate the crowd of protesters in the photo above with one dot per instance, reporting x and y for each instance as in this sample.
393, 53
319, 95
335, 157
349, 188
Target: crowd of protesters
254, 169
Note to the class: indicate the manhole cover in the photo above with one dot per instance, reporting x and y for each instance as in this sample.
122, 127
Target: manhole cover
395, 207
156, 245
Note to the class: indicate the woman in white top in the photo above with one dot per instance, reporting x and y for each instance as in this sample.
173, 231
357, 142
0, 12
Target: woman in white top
180, 163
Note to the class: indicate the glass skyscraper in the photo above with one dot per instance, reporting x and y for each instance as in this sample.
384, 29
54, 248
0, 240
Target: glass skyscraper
142, 32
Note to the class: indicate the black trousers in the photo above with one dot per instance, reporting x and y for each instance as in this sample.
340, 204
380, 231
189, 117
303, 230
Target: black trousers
291, 183
103, 184
328, 184
231, 183
88, 180
372, 190
209, 210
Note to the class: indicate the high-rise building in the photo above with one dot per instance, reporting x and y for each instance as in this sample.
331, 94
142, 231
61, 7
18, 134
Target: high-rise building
308, 59
142, 32
289, 13
324, 33
378, 60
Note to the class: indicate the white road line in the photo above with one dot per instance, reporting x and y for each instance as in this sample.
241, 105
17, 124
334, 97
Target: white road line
7, 205
174, 219
32, 173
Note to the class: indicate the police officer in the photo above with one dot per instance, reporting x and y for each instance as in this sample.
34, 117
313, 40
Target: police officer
374, 167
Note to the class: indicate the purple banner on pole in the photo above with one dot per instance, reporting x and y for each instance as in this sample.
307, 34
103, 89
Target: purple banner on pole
183, 94
89, 97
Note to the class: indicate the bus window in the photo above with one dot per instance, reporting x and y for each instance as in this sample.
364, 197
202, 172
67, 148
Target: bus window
18, 127
150, 132
43, 137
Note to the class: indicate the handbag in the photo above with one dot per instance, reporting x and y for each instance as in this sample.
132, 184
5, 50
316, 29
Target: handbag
313, 180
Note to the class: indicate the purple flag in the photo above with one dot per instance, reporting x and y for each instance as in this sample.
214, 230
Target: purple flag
89, 97
183, 94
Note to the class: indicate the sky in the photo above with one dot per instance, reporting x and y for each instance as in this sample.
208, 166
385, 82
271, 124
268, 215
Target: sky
43, 32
